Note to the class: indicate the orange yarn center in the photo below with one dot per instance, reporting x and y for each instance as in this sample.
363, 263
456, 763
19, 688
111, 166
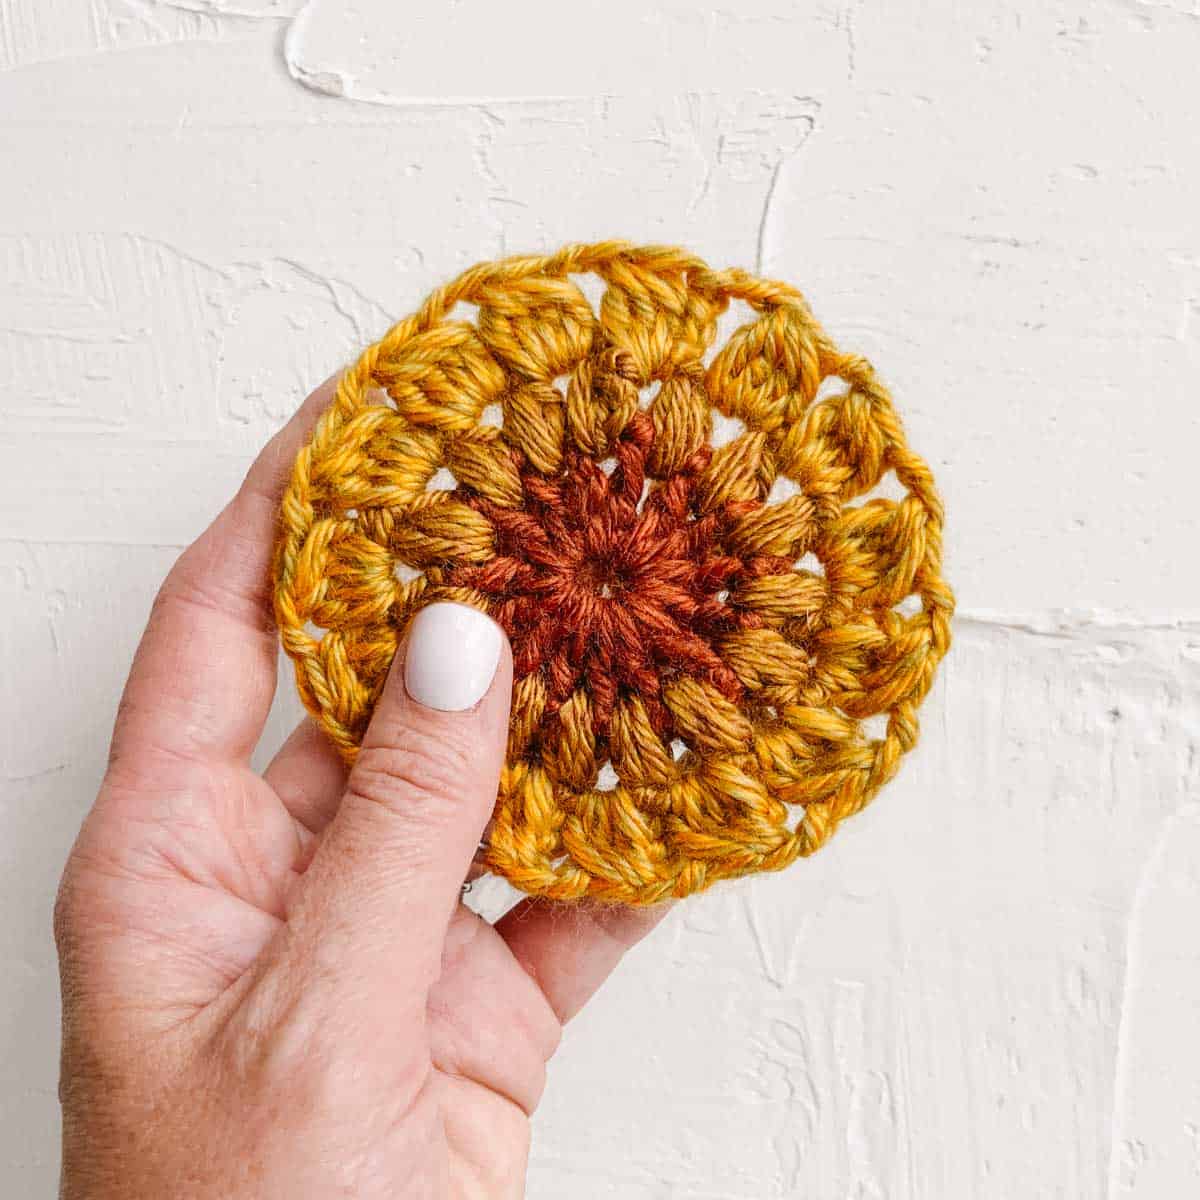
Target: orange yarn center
601, 582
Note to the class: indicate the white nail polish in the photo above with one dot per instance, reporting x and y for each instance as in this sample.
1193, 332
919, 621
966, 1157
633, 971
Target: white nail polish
453, 651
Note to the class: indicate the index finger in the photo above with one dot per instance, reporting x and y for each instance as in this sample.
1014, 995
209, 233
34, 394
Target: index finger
203, 677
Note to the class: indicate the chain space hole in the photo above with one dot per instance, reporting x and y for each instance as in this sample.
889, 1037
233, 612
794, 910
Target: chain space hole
738, 313
726, 429
442, 480
464, 310
875, 726
593, 289
831, 385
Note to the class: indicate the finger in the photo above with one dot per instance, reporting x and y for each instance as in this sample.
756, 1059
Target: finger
204, 674
309, 776
571, 949
489, 1021
387, 876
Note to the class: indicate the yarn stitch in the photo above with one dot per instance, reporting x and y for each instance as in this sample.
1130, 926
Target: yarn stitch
698, 634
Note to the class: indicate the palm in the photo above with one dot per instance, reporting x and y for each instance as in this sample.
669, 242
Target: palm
198, 889
225, 862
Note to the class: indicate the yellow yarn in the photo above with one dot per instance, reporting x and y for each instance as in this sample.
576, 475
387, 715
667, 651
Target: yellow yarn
665, 618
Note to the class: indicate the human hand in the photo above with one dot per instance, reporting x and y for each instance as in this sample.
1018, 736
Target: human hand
270, 985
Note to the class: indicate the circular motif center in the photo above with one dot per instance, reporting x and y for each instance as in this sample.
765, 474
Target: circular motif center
606, 581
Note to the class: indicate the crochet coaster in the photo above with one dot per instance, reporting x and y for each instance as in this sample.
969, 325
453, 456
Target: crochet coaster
698, 634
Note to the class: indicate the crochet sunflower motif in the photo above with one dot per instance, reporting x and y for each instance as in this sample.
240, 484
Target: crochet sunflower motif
699, 634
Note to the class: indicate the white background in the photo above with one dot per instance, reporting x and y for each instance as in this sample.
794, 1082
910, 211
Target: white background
987, 985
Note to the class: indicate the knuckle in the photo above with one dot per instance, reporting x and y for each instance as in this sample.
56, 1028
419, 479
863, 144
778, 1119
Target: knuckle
65, 908
496, 1052
540, 1030
423, 779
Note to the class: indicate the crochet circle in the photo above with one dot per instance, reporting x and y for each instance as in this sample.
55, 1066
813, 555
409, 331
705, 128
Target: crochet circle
700, 634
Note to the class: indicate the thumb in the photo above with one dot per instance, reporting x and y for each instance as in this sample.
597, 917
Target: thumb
388, 874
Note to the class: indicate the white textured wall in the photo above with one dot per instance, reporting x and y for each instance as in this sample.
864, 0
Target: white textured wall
987, 985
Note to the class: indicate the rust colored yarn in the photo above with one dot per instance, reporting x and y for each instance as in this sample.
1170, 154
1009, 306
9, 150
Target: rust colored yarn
698, 634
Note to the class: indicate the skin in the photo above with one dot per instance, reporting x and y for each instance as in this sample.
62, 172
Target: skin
270, 985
